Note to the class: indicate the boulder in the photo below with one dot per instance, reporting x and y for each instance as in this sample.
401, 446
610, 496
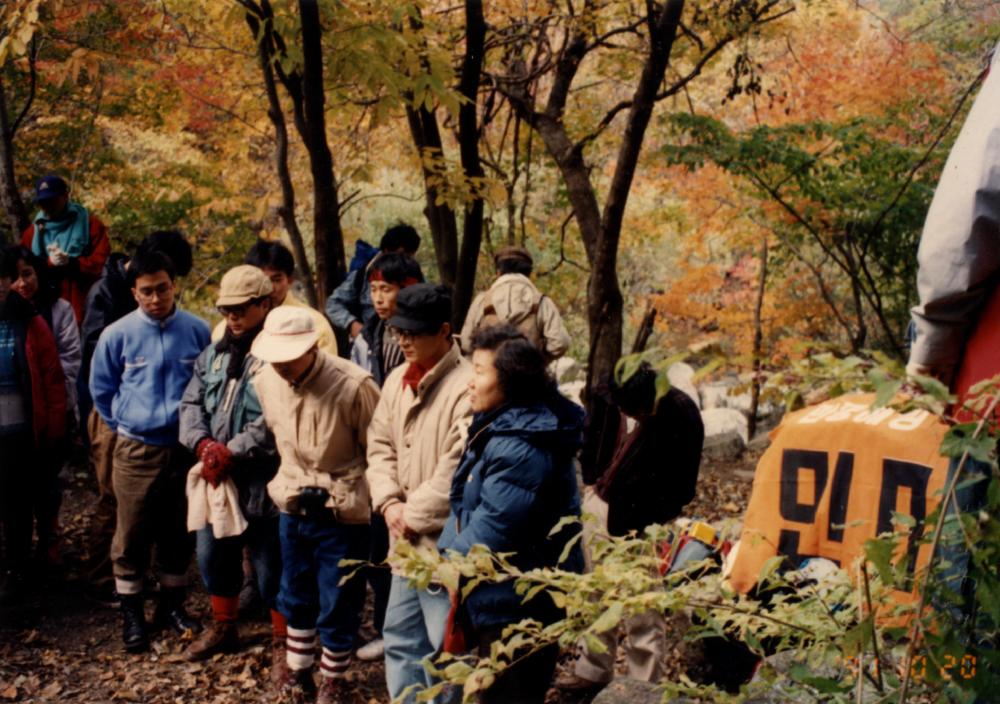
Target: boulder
625, 690
726, 433
681, 377
716, 394
565, 369
573, 390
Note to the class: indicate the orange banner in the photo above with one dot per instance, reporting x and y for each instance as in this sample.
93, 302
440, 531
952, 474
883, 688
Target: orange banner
832, 478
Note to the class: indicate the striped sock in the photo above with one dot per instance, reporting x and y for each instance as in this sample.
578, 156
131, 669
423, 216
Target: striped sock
301, 648
334, 664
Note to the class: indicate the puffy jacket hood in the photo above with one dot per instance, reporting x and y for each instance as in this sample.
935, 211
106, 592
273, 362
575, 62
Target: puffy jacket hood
556, 424
514, 297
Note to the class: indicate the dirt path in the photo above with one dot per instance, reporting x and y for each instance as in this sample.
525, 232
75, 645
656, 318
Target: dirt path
59, 646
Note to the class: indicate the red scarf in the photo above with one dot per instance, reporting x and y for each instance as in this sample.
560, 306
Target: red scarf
414, 373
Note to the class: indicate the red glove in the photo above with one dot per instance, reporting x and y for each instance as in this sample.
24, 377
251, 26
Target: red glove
215, 460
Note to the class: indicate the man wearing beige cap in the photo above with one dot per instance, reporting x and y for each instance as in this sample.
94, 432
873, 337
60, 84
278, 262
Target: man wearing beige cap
221, 420
318, 407
513, 299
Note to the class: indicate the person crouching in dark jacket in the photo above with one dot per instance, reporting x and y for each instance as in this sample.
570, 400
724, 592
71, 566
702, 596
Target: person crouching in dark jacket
32, 420
515, 481
650, 476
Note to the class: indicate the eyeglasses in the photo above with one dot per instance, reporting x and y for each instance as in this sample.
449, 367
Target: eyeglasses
399, 336
160, 291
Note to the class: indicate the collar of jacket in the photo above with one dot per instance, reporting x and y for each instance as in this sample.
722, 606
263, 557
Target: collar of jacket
320, 363
162, 324
439, 371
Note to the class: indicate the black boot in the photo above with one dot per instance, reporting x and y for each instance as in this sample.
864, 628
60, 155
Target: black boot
134, 636
170, 611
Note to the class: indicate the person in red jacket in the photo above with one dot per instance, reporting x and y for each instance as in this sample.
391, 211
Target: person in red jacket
32, 420
74, 241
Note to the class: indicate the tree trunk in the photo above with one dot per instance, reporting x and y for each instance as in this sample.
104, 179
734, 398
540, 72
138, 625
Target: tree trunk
287, 209
604, 305
758, 340
468, 138
440, 217
14, 209
331, 261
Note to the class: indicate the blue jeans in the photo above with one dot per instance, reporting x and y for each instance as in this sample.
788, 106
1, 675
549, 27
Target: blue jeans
311, 595
221, 559
953, 553
414, 627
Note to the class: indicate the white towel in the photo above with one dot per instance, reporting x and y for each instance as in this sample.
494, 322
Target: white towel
218, 506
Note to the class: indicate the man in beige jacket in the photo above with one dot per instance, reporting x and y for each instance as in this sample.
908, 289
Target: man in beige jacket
319, 408
414, 443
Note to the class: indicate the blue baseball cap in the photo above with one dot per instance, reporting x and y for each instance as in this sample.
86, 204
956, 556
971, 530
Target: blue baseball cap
49, 187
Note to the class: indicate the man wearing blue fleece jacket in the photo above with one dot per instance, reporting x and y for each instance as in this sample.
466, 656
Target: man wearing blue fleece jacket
142, 364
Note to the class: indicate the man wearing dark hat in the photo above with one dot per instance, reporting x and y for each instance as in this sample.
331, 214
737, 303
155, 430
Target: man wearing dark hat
415, 441
74, 241
514, 299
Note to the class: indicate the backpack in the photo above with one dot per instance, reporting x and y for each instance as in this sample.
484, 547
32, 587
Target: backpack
364, 253
528, 326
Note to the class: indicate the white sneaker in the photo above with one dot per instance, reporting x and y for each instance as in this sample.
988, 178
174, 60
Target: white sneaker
372, 650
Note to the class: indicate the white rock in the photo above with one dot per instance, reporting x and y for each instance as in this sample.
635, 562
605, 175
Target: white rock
716, 394
720, 421
573, 390
565, 369
681, 377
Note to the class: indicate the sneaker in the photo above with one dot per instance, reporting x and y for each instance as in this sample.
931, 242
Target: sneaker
569, 681
217, 638
372, 650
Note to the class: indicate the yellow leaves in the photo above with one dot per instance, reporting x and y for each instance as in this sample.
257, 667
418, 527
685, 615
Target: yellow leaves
20, 21
454, 187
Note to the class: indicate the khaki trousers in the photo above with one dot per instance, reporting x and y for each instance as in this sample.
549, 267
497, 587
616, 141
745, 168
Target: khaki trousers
104, 510
148, 483
645, 633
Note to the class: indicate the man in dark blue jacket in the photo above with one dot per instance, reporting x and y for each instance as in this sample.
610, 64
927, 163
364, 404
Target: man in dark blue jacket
140, 369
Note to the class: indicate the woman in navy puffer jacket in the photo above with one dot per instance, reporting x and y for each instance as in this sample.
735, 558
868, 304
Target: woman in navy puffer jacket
515, 481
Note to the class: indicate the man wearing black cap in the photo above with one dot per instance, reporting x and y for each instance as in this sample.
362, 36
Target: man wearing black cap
414, 443
513, 299
74, 241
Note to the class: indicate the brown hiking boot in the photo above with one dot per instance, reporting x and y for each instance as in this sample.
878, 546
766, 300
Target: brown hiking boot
297, 686
217, 638
332, 691
279, 662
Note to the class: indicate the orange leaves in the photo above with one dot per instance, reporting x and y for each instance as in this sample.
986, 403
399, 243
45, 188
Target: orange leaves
839, 63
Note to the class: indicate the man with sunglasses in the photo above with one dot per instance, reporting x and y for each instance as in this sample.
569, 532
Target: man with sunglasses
142, 364
414, 443
222, 422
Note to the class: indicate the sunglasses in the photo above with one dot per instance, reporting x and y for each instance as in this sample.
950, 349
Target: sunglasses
239, 310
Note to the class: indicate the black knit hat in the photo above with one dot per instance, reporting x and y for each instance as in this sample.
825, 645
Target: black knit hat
422, 308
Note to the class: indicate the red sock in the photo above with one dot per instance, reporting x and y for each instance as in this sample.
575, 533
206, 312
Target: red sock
225, 608
279, 625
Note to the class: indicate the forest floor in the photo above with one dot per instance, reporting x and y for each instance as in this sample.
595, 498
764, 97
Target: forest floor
59, 646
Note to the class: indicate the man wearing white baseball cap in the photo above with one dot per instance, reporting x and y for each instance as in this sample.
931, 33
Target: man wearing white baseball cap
318, 407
